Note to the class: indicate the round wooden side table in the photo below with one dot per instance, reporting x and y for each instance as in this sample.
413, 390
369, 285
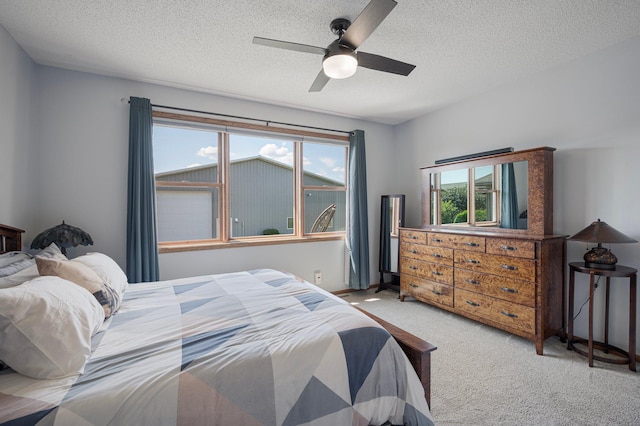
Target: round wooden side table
624, 357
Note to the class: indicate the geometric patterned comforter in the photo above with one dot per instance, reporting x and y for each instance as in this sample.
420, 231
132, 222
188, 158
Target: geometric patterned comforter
249, 348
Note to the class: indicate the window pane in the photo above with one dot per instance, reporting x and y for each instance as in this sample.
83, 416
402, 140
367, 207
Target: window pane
485, 195
324, 164
453, 192
187, 213
260, 185
185, 162
185, 153
318, 211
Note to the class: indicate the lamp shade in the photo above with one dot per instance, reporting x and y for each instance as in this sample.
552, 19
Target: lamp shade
601, 232
64, 236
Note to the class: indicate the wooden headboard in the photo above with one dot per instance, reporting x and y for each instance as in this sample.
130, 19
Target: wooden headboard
10, 238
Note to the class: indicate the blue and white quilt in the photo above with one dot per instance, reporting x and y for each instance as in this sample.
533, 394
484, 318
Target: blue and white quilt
249, 348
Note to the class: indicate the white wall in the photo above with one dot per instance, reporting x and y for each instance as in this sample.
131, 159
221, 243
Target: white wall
589, 110
18, 171
83, 172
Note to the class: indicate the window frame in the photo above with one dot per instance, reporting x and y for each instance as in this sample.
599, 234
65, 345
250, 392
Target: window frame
224, 128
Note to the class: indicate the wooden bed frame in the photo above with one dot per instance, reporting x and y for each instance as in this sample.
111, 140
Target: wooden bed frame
417, 350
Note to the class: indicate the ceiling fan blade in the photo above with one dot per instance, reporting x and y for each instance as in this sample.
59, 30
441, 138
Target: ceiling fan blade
320, 81
305, 48
381, 63
368, 20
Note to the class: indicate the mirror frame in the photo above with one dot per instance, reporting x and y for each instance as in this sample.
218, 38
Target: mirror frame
401, 204
539, 194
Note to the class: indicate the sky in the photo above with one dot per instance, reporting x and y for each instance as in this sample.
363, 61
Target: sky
178, 148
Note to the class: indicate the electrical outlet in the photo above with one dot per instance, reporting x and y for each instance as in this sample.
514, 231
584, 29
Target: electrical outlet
317, 277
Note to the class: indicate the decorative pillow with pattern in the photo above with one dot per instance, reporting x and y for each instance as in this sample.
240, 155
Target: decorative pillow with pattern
83, 276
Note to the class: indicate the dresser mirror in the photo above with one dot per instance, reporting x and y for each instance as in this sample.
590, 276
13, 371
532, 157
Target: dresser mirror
391, 219
495, 195
496, 191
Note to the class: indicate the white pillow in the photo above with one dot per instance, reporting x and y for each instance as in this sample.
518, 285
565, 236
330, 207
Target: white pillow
46, 326
107, 269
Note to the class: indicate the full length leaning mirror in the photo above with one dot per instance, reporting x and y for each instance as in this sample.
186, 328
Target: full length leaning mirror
391, 220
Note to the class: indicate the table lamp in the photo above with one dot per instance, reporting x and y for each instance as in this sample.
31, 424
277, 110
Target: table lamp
64, 236
600, 232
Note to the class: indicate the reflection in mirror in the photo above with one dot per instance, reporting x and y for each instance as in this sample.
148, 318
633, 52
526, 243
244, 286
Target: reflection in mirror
391, 219
499, 196
454, 196
514, 195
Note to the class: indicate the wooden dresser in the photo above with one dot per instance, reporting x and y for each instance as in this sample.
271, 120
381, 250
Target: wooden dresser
512, 283
497, 260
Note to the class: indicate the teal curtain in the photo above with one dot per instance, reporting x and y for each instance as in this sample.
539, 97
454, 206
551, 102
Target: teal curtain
509, 212
142, 239
357, 219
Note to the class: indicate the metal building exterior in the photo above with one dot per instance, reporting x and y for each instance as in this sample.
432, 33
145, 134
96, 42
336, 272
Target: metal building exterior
261, 198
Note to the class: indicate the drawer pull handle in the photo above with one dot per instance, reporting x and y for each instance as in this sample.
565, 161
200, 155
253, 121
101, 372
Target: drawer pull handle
436, 273
473, 244
413, 251
436, 255
509, 248
509, 290
413, 268
436, 292
469, 302
413, 285
474, 282
436, 240
510, 268
509, 314
475, 262
413, 237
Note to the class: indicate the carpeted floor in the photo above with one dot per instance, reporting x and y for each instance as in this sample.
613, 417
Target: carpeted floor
484, 376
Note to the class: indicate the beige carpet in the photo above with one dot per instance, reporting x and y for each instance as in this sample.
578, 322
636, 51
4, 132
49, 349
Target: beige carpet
484, 376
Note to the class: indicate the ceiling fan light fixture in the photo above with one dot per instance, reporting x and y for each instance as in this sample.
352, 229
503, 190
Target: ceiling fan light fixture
340, 65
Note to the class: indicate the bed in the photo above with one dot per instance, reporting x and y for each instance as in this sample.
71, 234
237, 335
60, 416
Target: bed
259, 347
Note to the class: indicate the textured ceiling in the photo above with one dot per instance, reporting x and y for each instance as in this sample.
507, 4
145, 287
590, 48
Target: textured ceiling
460, 47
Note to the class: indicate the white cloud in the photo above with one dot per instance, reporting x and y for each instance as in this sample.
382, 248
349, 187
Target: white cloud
338, 169
279, 153
329, 162
210, 152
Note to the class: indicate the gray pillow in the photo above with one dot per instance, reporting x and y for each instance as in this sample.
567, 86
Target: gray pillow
15, 267
12, 257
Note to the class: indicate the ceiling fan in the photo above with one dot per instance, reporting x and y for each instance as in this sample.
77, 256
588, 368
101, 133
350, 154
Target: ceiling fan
340, 58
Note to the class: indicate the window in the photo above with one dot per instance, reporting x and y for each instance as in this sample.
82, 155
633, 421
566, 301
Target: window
219, 185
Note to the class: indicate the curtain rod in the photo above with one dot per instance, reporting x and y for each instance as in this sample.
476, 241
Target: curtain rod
243, 118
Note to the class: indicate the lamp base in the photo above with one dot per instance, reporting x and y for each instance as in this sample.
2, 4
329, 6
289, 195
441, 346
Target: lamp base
600, 258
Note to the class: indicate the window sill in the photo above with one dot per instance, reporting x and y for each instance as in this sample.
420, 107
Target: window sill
180, 246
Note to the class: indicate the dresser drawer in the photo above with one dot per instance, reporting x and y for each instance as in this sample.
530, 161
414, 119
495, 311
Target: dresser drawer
513, 248
505, 266
516, 291
431, 271
465, 242
427, 290
417, 237
499, 311
443, 256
